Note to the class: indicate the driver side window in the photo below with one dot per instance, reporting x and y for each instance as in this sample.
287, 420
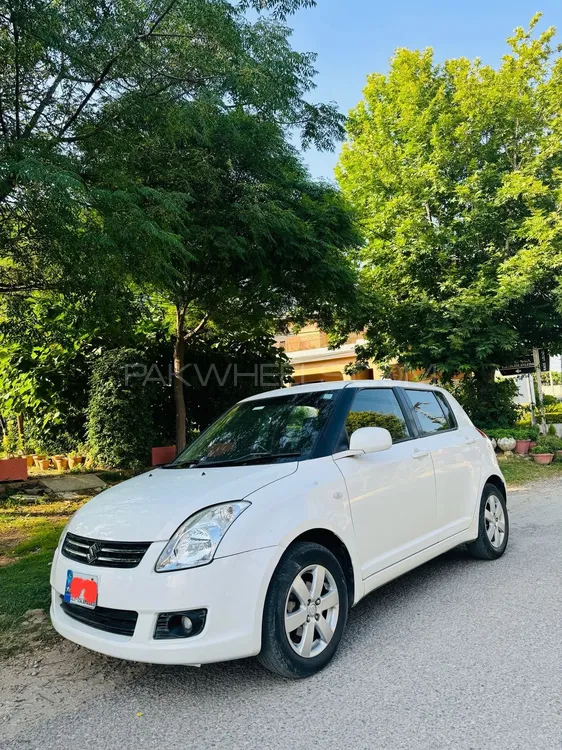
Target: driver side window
376, 407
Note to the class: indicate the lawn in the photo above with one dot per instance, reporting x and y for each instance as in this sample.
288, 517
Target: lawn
30, 529
519, 470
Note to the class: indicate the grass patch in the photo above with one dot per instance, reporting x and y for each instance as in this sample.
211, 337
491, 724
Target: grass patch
29, 534
520, 470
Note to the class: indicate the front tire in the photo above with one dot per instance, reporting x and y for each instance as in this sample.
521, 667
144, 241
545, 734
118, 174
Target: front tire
305, 612
493, 526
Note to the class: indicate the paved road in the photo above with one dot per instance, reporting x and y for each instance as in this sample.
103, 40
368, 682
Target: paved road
458, 654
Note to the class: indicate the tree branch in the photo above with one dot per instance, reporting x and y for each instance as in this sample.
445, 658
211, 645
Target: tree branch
110, 63
17, 76
198, 328
44, 103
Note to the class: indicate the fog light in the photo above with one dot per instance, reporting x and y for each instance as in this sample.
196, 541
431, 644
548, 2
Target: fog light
186, 624
180, 624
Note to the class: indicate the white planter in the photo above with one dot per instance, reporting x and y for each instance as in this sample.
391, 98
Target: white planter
506, 444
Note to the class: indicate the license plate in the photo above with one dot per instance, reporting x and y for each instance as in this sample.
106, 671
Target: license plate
81, 589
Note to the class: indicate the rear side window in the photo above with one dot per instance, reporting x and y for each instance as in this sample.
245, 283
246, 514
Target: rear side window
377, 407
447, 411
431, 411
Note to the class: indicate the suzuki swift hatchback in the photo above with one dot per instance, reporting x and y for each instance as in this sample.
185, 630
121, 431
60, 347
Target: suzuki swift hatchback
263, 533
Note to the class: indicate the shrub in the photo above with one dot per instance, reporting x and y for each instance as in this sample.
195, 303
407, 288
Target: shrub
120, 425
541, 449
549, 443
389, 422
489, 403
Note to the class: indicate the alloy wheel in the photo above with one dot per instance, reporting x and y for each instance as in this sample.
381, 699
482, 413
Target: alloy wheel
312, 611
494, 518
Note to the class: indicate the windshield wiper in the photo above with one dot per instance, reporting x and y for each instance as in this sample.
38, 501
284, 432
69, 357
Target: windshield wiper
249, 458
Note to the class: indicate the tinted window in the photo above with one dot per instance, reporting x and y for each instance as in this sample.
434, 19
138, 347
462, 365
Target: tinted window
429, 412
451, 421
377, 407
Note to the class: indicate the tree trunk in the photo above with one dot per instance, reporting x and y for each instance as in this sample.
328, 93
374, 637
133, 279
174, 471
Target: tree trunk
179, 395
20, 427
485, 374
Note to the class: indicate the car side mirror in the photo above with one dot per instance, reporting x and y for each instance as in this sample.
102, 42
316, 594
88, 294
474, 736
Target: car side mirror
370, 440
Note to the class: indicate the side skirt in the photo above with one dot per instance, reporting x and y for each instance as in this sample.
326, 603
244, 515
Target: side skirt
404, 566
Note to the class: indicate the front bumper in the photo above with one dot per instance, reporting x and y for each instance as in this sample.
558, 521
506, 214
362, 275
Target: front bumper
231, 589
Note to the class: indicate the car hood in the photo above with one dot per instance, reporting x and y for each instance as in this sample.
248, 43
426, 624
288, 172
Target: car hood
150, 507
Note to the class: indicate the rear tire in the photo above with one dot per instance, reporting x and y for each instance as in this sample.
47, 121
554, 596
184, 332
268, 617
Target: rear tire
305, 612
493, 525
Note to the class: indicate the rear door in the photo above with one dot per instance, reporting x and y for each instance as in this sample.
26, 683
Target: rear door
456, 458
391, 493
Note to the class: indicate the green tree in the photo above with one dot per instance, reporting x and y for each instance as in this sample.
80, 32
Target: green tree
98, 186
455, 172
238, 233
61, 67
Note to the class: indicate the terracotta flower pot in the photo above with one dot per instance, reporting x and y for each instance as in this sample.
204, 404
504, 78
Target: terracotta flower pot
75, 461
543, 458
38, 457
44, 463
61, 462
522, 447
29, 459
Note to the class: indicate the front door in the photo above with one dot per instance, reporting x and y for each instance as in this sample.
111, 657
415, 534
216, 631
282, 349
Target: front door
391, 493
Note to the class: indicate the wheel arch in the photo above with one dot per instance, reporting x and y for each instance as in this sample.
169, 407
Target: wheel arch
337, 547
498, 482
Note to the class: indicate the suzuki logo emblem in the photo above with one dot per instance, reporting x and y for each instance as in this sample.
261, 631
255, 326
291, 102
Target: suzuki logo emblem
93, 552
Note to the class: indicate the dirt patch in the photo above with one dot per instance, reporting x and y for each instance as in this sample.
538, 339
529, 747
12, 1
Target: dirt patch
10, 539
48, 680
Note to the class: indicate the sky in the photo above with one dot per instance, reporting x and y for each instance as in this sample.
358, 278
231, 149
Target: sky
356, 37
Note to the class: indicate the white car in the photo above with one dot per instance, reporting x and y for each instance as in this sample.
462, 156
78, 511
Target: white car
269, 527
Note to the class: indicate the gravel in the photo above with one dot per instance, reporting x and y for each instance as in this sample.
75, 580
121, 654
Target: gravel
458, 654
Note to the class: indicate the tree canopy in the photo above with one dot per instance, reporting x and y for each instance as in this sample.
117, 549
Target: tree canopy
67, 68
145, 155
455, 171
225, 222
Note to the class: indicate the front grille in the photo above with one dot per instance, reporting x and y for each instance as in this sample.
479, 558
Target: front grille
103, 554
121, 621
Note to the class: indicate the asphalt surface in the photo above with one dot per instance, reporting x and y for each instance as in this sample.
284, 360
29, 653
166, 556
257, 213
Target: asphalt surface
458, 654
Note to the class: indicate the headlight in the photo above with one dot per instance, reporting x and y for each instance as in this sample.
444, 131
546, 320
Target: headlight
195, 542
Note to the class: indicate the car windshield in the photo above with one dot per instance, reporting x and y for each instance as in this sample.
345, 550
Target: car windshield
266, 431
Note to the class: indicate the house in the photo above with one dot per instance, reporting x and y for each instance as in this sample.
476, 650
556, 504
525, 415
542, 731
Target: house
314, 362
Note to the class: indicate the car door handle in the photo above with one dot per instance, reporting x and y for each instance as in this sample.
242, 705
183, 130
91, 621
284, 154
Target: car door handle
470, 441
420, 454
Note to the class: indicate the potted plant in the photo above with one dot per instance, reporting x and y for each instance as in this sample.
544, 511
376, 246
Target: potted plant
542, 454
61, 462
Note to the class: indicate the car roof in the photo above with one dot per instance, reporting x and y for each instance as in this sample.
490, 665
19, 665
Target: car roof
339, 385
